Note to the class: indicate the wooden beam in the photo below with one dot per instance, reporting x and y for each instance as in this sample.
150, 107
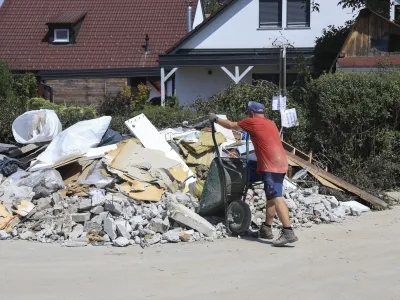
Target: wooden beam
337, 181
229, 74
245, 73
170, 74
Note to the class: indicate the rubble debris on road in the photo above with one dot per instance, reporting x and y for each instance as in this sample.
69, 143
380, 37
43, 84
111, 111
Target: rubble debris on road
92, 186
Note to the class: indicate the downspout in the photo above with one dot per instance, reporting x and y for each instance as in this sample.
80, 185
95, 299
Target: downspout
49, 88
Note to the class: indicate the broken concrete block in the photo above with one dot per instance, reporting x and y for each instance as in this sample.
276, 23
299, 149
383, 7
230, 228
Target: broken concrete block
80, 217
339, 211
356, 211
85, 204
332, 199
113, 207
76, 232
136, 221
92, 226
290, 204
121, 242
122, 231
171, 236
319, 209
100, 217
185, 216
110, 228
43, 203
154, 239
159, 225
4, 235
97, 210
98, 199
106, 238
356, 205
56, 198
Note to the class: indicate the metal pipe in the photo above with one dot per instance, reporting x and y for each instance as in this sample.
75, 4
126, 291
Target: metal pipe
189, 17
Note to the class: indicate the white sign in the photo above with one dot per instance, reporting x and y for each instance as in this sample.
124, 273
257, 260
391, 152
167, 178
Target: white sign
278, 103
289, 118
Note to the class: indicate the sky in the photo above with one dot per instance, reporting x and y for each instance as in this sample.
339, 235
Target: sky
1, 2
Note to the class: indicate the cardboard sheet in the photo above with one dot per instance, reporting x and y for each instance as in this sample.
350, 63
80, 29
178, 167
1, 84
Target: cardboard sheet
150, 138
142, 191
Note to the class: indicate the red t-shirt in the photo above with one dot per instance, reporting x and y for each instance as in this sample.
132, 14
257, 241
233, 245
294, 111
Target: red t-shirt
264, 134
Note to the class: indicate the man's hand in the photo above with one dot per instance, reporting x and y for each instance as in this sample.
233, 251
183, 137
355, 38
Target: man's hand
213, 117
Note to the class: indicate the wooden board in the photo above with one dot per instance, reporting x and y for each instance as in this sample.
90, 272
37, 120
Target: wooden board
337, 181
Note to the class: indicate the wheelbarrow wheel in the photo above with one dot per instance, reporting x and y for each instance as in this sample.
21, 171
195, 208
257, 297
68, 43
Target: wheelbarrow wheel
238, 216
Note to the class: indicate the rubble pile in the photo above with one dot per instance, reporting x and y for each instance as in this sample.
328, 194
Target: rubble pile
88, 184
306, 206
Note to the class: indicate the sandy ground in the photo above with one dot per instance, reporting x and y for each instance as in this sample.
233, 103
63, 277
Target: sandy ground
359, 259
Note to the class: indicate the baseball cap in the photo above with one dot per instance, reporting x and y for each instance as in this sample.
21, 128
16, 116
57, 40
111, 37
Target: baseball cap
255, 107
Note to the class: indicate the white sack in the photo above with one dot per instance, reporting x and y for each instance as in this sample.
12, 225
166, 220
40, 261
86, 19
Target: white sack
36, 126
75, 140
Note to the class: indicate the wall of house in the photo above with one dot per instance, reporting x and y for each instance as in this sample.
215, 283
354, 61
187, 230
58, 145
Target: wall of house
238, 27
194, 83
85, 91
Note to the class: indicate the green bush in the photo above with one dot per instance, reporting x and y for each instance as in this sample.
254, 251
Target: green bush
68, 115
163, 117
355, 122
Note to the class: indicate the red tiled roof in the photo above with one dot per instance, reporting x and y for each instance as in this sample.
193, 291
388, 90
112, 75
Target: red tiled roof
112, 34
67, 17
370, 61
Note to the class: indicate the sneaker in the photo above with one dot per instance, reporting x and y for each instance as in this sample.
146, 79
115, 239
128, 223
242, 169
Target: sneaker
266, 232
287, 237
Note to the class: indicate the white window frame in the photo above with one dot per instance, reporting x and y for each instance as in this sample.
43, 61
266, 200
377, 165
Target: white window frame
56, 40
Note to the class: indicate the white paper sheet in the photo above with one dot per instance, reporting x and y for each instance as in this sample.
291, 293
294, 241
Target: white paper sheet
289, 118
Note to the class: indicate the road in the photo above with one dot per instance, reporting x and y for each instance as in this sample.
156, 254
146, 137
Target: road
358, 259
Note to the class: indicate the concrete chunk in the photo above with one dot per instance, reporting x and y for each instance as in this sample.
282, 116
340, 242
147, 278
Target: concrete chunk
122, 231
97, 210
80, 217
355, 205
121, 242
171, 236
4, 235
85, 204
159, 225
110, 228
185, 216
113, 207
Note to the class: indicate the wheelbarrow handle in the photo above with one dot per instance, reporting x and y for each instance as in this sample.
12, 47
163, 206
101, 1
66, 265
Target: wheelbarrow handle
214, 139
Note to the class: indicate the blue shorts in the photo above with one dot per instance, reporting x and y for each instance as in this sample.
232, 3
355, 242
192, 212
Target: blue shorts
273, 184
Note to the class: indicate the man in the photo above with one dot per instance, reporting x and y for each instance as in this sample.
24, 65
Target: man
271, 165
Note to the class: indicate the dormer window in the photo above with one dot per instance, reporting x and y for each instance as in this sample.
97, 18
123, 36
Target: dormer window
64, 28
61, 35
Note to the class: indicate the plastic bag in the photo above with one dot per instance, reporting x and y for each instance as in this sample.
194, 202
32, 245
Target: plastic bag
111, 137
36, 126
75, 140
43, 183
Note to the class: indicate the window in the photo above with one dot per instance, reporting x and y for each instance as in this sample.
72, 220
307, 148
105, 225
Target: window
270, 13
298, 13
61, 35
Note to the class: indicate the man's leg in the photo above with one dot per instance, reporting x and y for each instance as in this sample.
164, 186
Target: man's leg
266, 228
282, 211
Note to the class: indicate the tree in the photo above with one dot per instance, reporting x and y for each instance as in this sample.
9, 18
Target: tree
329, 45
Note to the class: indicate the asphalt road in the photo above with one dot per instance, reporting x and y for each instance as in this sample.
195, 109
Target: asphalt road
359, 259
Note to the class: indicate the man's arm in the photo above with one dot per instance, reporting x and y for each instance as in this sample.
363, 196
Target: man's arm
225, 123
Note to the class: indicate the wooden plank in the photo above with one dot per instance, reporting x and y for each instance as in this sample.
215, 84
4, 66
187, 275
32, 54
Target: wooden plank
337, 181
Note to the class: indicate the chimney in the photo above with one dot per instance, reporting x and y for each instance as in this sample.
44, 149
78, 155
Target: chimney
189, 21
146, 46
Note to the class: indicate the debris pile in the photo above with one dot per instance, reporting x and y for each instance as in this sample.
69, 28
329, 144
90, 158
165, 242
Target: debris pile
88, 184
306, 206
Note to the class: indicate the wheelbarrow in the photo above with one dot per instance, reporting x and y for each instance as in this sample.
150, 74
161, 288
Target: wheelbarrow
225, 190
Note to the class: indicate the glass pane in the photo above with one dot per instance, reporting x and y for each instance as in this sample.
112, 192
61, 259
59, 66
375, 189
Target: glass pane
61, 34
271, 13
298, 13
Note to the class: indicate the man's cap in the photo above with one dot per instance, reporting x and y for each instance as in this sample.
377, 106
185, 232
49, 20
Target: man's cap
255, 107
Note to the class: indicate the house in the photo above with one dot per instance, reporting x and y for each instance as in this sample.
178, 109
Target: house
243, 41
81, 50
373, 42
